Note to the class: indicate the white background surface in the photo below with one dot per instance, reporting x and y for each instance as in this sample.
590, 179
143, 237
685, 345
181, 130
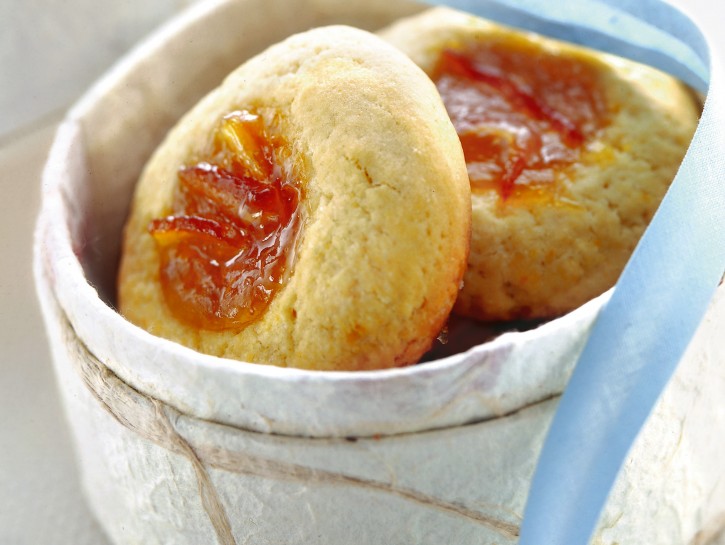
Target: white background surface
49, 53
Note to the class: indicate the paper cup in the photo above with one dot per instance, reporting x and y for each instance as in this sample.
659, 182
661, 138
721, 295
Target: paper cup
179, 447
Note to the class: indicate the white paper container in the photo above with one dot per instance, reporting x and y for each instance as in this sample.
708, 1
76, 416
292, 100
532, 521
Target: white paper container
181, 448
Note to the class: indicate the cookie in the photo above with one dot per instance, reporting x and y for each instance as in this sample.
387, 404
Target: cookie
569, 152
311, 212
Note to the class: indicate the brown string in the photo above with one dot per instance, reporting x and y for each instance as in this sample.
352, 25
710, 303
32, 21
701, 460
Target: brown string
148, 418
712, 533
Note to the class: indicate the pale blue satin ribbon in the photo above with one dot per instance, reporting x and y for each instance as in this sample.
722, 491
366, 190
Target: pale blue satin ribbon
641, 334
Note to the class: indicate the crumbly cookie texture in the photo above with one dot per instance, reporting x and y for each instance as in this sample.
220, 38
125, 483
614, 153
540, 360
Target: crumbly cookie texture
383, 244
543, 260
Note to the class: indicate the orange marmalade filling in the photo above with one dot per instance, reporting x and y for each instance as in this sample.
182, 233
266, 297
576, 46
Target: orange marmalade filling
521, 113
227, 243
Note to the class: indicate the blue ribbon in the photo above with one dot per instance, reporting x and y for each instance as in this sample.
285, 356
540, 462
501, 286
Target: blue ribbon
660, 298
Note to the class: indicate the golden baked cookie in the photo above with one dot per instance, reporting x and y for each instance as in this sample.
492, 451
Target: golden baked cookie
569, 153
311, 212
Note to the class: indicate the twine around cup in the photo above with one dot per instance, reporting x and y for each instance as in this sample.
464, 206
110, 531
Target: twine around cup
155, 421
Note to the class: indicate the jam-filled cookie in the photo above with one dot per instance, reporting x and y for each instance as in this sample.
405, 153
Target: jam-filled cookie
569, 153
311, 212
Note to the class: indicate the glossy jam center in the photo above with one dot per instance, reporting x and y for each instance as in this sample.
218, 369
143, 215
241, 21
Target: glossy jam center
226, 245
521, 113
